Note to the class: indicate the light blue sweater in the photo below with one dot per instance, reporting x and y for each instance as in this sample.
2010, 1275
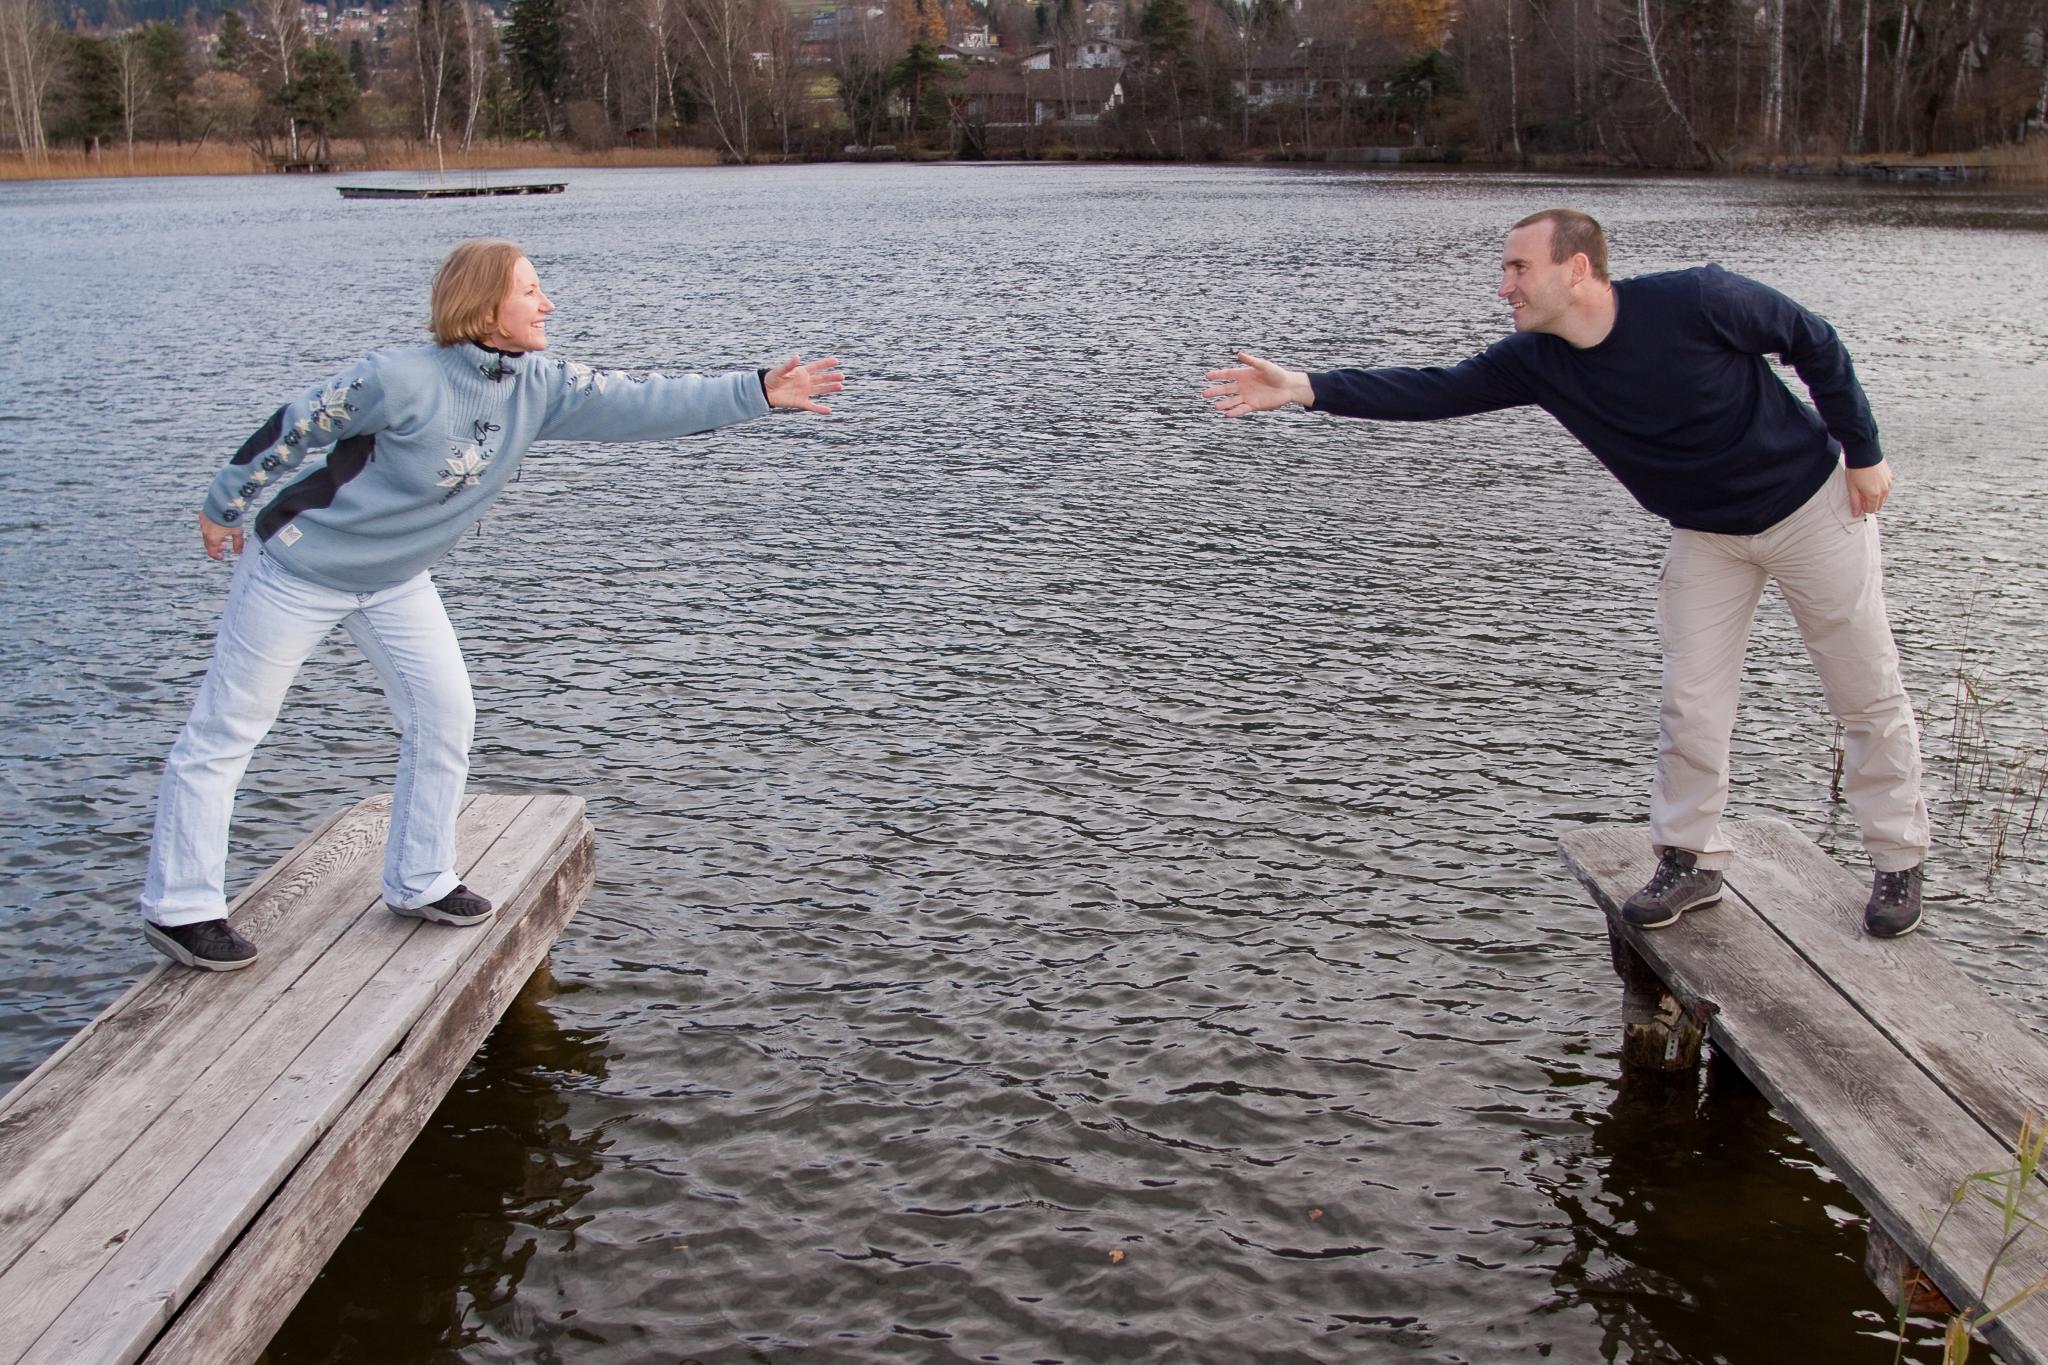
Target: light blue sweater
424, 438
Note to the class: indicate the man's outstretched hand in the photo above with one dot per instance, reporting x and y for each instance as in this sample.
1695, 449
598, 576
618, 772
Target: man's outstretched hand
793, 384
1256, 385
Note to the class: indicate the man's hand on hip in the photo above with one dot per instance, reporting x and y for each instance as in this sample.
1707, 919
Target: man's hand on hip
1869, 487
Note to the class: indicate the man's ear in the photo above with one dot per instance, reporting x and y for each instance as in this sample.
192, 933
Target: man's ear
1582, 268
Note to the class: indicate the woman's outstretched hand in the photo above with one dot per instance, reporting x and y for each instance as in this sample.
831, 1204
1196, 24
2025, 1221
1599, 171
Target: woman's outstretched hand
218, 538
1256, 386
793, 384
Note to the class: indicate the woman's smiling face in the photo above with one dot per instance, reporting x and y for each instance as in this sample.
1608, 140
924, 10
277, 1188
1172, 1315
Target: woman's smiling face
522, 323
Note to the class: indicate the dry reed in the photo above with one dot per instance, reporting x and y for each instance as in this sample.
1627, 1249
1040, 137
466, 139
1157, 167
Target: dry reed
169, 159
2014, 1193
111, 162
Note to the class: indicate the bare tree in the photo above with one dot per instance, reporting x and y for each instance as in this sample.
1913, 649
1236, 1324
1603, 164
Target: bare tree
1648, 33
1514, 85
29, 40
863, 49
479, 51
137, 83
721, 34
279, 30
657, 16
224, 100
785, 78
436, 26
1862, 83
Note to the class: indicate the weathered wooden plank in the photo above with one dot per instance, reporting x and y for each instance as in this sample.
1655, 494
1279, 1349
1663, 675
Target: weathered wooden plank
158, 1267
176, 1016
156, 1181
1992, 1064
36, 1086
235, 1313
1896, 1139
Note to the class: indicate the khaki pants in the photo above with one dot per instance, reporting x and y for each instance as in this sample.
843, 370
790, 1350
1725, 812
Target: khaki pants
1826, 564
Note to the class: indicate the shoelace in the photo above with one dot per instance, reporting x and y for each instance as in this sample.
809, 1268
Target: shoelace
1668, 871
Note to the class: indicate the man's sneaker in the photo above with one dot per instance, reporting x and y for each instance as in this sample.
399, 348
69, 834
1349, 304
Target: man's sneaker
1894, 905
461, 906
1678, 885
212, 945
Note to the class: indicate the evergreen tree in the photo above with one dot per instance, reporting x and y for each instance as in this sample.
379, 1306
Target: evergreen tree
919, 76
235, 48
90, 100
170, 75
321, 92
535, 39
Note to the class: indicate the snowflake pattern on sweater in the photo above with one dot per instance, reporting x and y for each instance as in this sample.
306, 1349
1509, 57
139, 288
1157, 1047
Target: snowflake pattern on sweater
465, 467
408, 448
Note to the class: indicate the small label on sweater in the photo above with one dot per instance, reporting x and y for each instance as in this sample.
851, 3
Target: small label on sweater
289, 535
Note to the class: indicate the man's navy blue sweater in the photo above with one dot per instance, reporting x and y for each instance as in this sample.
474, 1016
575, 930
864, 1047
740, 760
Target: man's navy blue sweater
1677, 401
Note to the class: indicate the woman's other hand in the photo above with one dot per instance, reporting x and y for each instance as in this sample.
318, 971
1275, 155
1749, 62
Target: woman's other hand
218, 539
793, 384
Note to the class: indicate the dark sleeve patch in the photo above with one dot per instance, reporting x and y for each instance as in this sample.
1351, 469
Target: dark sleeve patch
318, 488
264, 439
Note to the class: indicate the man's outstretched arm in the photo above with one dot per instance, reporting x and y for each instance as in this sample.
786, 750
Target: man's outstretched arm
1256, 385
1388, 394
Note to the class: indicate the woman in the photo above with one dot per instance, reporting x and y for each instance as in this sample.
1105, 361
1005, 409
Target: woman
419, 442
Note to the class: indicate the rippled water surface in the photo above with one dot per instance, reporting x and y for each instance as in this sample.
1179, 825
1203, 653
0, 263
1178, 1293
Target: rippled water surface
1038, 820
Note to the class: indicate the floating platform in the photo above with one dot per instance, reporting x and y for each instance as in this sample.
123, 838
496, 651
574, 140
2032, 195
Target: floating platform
445, 191
1898, 1070
175, 1176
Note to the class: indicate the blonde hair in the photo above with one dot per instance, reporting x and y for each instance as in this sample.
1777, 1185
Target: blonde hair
1572, 232
468, 288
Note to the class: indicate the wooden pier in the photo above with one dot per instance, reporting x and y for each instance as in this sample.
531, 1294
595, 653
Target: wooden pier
174, 1177
446, 191
1900, 1073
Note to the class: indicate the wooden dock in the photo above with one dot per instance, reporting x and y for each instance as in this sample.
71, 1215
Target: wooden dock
446, 191
1900, 1073
174, 1177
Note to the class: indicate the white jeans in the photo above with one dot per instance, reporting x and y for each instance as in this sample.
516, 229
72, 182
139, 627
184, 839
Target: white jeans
1827, 565
271, 624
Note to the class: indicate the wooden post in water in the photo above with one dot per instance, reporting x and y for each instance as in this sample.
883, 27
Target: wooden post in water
1893, 1272
1657, 1032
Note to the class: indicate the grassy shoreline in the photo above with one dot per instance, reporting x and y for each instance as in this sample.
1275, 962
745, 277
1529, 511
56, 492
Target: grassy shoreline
2015, 167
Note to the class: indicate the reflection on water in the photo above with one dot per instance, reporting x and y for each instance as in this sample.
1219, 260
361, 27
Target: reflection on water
1037, 820
1646, 1197
497, 1170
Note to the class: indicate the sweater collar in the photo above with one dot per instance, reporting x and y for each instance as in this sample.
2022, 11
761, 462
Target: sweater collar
490, 362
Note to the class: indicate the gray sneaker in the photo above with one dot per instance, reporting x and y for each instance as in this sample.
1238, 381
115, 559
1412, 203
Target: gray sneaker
460, 907
211, 945
1894, 905
1678, 885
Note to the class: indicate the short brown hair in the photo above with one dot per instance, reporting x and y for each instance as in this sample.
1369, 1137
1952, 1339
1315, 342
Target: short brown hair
468, 288
1572, 232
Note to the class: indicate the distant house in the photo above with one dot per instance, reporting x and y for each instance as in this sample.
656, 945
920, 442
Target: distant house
1298, 76
1026, 98
831, 29
1089, 54
1104, 18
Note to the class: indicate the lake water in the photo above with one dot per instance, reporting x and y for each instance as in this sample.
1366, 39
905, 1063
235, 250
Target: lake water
1038, 819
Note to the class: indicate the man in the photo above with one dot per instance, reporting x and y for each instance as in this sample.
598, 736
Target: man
1663, 379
